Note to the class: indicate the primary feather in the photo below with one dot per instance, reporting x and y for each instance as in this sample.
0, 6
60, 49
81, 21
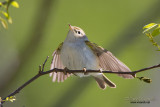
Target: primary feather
57, 63
108, 61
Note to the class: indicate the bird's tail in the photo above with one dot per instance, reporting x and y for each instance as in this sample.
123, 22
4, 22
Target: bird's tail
102, 81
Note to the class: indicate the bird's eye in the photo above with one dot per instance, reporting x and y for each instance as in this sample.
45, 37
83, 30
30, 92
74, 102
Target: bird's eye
79, 32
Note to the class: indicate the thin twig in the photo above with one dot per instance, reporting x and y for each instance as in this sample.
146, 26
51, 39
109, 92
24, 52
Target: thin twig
22, 86
44, 63
98, 71
41, 72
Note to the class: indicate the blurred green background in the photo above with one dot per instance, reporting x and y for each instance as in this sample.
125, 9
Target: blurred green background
40, 25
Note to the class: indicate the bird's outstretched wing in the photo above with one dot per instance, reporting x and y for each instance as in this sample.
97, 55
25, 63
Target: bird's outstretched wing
108, 61
56, 63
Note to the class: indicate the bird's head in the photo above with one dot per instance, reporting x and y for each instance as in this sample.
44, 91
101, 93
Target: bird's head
76, 33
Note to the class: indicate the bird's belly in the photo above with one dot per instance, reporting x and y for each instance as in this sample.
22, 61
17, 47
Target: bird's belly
79, 57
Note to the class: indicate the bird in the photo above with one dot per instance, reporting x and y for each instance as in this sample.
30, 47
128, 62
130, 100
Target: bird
77, 53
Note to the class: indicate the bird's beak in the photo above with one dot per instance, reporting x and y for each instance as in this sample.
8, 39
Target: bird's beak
70, 27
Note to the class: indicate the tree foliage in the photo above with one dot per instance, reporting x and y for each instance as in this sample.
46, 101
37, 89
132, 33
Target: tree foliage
5, 17
152, 30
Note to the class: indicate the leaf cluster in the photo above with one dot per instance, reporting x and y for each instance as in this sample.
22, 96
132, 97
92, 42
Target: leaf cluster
11, 99
5, 17
152, 30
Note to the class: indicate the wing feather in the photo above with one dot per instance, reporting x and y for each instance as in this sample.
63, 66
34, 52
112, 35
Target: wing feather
108, 61
56, 63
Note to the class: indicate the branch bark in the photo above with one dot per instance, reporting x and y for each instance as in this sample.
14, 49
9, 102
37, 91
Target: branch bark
42, 72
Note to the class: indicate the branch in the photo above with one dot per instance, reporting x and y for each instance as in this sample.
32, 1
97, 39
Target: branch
65, 70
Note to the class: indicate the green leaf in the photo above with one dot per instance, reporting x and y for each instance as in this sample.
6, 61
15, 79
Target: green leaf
10, 20
145, 79
11, 98
4, 23
5, 14
156, 32
149, 27
15, 4
1, 4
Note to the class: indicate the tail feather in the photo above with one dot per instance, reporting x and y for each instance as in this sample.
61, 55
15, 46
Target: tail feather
102, 81
108, 82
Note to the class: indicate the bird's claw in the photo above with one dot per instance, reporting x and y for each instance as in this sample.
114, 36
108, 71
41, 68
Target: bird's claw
65, 70
85, 71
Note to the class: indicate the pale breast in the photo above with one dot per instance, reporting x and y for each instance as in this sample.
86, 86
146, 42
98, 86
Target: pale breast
76, 56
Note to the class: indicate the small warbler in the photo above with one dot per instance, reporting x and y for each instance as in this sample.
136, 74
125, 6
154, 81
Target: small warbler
77, 53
